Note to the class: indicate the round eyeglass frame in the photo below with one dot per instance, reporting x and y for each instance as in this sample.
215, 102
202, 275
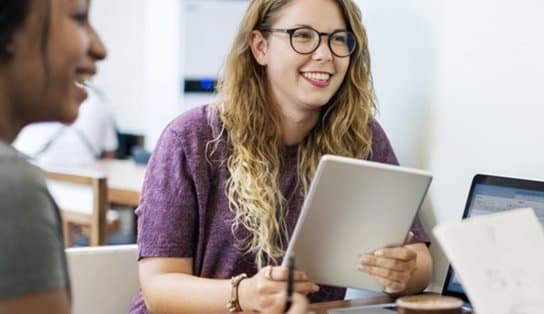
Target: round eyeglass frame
291, 31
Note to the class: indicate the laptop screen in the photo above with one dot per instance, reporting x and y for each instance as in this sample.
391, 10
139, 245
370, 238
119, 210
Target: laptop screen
491, 194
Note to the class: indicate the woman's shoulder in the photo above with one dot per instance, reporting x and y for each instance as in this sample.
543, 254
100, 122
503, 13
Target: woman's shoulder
191, 131
23, 182
195, 121
14, 165
382, 151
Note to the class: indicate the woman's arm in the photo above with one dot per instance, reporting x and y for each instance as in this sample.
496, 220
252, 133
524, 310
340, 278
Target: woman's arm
169, 286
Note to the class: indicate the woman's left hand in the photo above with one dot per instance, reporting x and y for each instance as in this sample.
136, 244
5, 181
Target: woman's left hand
393, 267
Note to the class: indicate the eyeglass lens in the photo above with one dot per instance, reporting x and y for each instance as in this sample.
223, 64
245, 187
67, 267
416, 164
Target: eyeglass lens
306, 40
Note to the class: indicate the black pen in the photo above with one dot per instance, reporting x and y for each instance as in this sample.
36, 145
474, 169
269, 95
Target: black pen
290, 281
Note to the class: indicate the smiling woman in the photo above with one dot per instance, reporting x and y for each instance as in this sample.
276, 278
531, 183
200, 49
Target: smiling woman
47, 49
225, 185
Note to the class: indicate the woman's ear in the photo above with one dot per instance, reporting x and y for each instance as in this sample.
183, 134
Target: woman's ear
259, 47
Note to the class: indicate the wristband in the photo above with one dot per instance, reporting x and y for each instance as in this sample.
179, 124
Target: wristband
233, 305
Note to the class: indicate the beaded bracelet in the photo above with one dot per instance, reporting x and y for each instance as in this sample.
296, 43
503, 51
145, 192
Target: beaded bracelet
233, 305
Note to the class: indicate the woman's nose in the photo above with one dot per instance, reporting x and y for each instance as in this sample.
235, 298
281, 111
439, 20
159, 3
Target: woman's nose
97, 49
323, 52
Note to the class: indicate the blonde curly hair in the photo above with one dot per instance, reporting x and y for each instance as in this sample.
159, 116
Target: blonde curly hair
254, 134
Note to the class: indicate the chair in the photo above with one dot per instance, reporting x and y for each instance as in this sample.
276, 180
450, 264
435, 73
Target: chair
83, 201
104, 279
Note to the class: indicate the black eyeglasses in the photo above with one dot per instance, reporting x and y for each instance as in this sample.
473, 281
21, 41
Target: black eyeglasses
305, 40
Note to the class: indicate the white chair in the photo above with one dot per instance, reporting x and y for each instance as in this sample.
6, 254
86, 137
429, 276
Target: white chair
104, 279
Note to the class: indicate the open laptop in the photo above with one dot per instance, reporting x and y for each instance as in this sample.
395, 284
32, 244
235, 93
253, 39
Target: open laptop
488, 194
491, 194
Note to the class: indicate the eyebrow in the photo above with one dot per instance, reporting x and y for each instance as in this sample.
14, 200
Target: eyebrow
306, 25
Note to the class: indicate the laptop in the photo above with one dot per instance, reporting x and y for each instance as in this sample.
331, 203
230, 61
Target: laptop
488, 194
492, 194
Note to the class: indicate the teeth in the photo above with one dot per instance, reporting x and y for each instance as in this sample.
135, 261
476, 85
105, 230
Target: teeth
316, 76
82, 78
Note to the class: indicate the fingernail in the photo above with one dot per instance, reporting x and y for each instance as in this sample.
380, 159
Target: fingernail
378, 253
304, 276
315, 288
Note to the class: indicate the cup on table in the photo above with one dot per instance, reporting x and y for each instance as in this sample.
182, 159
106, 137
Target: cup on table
429, 304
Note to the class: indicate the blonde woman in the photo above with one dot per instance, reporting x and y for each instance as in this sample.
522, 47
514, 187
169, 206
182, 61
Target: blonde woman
226, 182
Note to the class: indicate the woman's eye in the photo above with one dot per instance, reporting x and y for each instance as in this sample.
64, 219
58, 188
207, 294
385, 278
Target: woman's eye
339, 39
303, 35
81, 17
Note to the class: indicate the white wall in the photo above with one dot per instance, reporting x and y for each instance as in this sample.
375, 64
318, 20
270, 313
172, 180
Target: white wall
142, 75
459, 89
121, 27
488, 107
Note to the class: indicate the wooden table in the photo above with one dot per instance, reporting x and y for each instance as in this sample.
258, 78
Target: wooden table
125, 180
323, 307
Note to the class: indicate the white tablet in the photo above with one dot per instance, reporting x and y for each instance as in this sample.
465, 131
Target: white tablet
354, 206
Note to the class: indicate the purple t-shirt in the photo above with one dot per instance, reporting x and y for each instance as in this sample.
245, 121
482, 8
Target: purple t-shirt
184, 211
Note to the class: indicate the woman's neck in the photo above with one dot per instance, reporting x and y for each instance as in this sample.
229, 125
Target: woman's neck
297, 125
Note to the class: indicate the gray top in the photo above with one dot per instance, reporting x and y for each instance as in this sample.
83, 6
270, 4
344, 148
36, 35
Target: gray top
184, 211
32, 256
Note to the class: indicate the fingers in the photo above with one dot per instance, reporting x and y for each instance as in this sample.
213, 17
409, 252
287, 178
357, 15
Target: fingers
389, 274
393, 267
281, 273
274, 280
389, 263
400, 253
391, 286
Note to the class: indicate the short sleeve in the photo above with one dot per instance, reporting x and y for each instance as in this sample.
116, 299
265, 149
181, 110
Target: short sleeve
382, 151
32, 250
167, 214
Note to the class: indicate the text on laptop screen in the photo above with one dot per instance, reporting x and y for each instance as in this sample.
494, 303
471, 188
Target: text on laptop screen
488, 199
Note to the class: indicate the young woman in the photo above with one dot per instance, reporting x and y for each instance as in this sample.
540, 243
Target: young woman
226, 182
47, 49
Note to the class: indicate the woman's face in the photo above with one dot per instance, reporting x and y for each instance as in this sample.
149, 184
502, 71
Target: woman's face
47, 68
302, 83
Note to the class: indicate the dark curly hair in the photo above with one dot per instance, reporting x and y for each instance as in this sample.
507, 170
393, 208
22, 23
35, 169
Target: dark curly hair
13, 13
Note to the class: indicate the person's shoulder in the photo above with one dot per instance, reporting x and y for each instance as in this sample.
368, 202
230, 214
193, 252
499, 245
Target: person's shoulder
197, 122
22, 189
13, 165
382, 151
18, 175
376, 129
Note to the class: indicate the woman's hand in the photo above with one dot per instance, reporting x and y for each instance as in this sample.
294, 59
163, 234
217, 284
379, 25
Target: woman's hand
298, 306
260, 291
393, 267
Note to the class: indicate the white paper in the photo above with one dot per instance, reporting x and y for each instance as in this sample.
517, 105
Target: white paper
500, 260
